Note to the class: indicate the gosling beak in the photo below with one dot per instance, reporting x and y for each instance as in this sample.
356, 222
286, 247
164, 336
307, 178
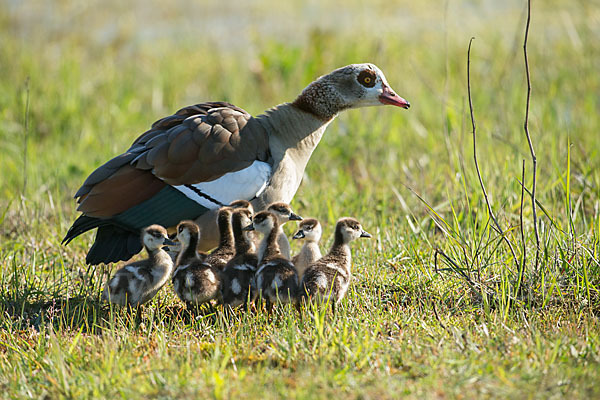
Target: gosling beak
299, 235
248, 228
365, 234
390, 97
295, 217
169, 242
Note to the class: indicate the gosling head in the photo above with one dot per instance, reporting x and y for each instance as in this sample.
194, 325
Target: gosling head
283, 212
241, 219
224, 214
309, 230
154, 237
186, 232
349, 229
263, 222
237, 204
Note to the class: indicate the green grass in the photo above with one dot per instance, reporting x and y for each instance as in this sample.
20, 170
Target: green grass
96, 76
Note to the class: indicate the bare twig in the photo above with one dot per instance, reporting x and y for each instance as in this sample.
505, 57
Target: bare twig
491, 212
524, 244
526, 128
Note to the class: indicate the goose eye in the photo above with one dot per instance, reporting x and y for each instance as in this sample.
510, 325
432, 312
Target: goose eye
367, 78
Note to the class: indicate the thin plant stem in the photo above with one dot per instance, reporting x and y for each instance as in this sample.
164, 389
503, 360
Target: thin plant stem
485, 195
532, 151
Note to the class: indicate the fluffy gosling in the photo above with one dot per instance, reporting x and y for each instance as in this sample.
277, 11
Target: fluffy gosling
194, 281
238, 274
276, 278
138, 282
310, 232
329, 277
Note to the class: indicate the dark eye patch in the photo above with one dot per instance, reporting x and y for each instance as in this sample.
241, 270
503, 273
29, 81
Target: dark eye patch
367, 78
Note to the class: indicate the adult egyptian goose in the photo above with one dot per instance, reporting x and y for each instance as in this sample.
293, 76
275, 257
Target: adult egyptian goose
309, 231
329, 277
276, 278
238, 274
194, 281
284, 213
136, 283
205, 156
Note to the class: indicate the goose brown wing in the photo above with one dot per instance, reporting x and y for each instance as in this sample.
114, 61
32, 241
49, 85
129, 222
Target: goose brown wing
197, 144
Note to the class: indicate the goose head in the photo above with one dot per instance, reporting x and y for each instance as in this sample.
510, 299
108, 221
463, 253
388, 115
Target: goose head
352, 86
154, 237
187, 231
349, 229
309, 229
283, 212
263, 222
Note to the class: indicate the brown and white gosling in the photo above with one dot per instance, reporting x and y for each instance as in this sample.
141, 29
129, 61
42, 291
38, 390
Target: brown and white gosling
276, 278
220, 256
329, 277
138, 282
310, 232
238, 275
283, 212
194, 281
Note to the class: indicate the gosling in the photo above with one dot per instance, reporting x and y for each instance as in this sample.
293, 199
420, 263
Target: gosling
138, 282
194, 281
220, 256
310, 232
283, 212
328, 278
276, 278
238, 274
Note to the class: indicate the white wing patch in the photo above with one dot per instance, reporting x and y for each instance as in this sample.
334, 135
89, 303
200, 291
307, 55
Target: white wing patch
210, 276
321, 281
235, 286
246, 184
277, 282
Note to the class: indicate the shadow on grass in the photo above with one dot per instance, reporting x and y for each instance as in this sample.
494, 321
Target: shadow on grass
92, 315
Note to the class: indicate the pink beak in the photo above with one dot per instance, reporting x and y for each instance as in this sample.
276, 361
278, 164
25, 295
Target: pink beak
390, 97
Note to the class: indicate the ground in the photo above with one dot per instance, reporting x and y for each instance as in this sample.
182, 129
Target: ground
437, 308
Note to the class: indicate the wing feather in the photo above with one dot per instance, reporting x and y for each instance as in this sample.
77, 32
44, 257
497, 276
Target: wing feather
197, 144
